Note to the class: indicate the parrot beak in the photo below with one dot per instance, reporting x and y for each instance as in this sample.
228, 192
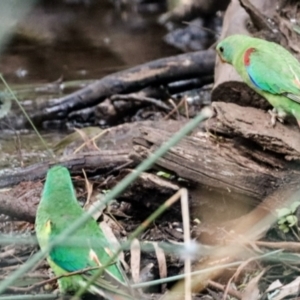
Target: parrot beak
222, 60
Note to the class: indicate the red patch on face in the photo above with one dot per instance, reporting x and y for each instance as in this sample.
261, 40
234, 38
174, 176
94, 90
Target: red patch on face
247, 56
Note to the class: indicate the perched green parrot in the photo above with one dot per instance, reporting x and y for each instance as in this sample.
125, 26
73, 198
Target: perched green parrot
269, 69
88, 246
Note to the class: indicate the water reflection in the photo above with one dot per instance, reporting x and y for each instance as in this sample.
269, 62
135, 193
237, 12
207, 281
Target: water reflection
80, 42
59, 41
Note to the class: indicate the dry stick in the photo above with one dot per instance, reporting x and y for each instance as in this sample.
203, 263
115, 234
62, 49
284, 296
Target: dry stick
187, 241
235, 276
90, 140
85, 139
134, 235
134, 97
162, 264
89, 189
186, 106
240, 267
221, 287
175, 108
258, 19
33, 297
135, 260
287, 246
99, 161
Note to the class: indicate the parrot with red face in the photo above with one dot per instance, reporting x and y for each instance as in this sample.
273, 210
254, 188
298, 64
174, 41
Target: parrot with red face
269, 69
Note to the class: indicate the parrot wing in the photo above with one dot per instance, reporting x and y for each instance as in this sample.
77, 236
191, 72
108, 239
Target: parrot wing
90, 249
72, 256
273, 72
80, 254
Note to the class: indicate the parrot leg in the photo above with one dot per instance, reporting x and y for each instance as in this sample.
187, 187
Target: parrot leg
277, 115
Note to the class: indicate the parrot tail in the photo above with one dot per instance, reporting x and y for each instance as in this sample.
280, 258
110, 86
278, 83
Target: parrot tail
109, 290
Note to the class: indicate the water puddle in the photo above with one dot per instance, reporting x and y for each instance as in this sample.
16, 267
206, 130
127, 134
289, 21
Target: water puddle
74, 44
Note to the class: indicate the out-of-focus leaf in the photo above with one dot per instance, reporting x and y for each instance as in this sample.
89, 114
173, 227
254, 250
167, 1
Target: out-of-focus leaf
292, 220
294, 206
5, 104
251, 291
283, 212
11, 13
288, 290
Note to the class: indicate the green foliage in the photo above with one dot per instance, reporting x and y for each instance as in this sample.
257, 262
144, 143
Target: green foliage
165, 175
286, 217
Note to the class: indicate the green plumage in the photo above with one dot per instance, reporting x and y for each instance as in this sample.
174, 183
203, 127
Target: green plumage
268, 68
87, 247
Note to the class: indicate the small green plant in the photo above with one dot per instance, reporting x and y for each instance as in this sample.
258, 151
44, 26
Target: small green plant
165, 175
286, 217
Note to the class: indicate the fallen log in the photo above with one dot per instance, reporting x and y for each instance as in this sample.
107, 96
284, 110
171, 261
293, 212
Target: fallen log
161, 71
102, 161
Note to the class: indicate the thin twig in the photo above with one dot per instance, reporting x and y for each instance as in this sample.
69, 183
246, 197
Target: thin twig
50, 280
187, 240
229, 290
134, 97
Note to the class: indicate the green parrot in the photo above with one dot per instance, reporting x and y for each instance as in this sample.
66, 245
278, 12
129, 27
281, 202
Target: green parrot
88, 246
269, 69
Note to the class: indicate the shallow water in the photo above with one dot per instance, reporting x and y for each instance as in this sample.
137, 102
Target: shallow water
78, 42
71, 42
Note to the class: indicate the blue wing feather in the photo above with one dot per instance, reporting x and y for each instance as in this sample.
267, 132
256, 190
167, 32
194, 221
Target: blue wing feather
268, 83
253, 80
68, 259
75, 255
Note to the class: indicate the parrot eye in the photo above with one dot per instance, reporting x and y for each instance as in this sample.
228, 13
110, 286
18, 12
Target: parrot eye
221, 49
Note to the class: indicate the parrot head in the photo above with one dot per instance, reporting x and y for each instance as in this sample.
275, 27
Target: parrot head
225, 51
230, 46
